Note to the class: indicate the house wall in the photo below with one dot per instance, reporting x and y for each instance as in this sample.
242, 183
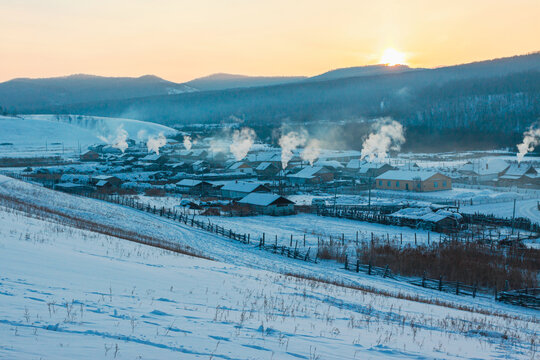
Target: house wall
437, 182
274, 209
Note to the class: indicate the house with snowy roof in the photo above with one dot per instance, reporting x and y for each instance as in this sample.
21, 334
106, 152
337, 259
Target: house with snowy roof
193, 186
242, 167
239, 189
373, 169
268, 204
267, 170
519, 174
483, 170
410, 180
311, 175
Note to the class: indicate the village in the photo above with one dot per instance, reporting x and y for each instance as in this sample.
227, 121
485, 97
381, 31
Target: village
445, 193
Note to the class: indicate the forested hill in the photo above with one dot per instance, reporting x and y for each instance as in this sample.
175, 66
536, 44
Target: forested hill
497, 99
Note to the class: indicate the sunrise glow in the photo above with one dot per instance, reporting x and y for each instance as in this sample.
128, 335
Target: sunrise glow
393, 57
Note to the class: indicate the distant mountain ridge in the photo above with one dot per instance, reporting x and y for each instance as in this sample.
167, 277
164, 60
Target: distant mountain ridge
361, 71
221, 81
25, 93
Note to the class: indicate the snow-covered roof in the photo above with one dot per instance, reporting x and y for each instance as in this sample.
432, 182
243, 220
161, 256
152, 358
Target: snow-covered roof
102, 183
241, 186
188, 182
308, 172
425, 214
103, 177
518, 170
484, 166
263, 166
329, 163
262, 199
151, 157
264, 156
238, 165
407, 175
354, 164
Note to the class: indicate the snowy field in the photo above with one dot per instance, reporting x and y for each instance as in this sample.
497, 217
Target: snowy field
48, 135
67, 293
314, 227
524, 208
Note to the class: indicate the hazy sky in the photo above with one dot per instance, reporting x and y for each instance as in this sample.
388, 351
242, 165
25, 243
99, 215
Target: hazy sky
181, 40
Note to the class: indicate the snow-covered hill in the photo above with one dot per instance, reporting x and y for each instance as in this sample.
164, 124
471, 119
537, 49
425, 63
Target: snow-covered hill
70, 293
41, 134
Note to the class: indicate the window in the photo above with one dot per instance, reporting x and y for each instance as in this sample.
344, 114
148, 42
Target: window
444, 184
397, 183
380, 182
435, 184
389, 183
418, 185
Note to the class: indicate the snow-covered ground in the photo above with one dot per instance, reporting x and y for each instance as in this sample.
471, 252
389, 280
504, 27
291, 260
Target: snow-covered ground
315, 227
66, 293
47, 135
524, 208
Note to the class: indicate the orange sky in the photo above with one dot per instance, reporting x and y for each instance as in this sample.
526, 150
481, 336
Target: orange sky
181, 40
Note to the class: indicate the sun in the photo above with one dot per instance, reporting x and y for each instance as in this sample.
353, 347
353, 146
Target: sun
392, 57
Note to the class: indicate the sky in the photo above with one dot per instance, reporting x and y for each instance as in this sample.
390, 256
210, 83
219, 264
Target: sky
181, 40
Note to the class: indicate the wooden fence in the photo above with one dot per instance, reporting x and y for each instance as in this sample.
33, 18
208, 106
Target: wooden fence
309, 255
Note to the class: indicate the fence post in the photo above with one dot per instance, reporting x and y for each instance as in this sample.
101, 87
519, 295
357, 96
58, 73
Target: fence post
474, 290
369, 268
457, 287
357, 265
304, 240
346, 262
415, 239
385, 271
424, 279
290, 244
440, 283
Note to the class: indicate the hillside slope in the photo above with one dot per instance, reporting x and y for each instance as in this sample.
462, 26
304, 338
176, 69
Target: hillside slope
72, 293
491, 100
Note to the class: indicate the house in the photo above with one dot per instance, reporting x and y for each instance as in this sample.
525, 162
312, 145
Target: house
242, 167
353, 165
410, 180
90, 155
329, 164
239, 189
198, 154
371, 170
156, 158
200, 166
193, 186
425, 218
519, 174
267, 169
104, 186
312, 175
112, 180
483, 170
268, 204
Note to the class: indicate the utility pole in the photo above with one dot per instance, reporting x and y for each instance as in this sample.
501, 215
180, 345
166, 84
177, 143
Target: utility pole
513, 216
369, 195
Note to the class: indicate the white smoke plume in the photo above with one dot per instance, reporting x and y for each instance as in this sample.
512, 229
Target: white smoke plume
531, 138
154, 143
118, 141
311, 151
387, 135
288, 144
141, 135
187, 142
242, 141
